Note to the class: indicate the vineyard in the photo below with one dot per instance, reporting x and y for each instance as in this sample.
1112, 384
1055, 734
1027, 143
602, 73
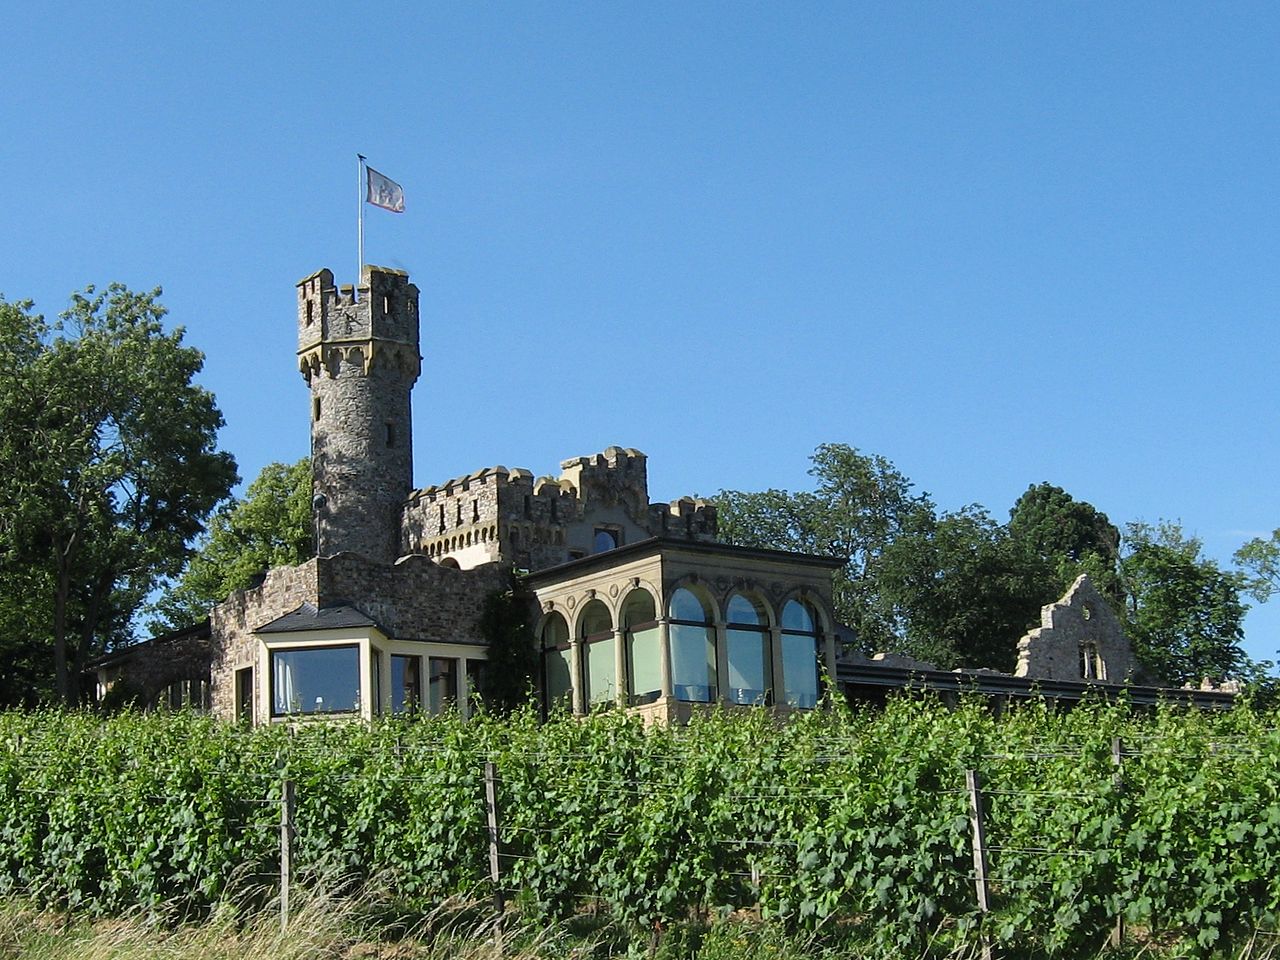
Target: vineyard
1167, 822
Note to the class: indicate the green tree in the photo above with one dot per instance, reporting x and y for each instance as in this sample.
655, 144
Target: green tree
1069, 537
964, 589
269, 527
1262, 559
108, 468
1184, 614
861, 504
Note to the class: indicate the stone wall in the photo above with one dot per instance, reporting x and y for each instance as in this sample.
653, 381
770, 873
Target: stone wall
500, 514
1079, 638
416, 599
141, 673
233, 621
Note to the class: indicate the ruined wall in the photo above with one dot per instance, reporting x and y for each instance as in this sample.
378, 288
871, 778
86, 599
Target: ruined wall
140, 674
1079, 638
233, 621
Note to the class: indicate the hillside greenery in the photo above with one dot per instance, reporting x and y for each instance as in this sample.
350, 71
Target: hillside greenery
836, 823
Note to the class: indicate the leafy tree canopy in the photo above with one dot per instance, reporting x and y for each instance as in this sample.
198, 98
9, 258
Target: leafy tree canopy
862, 502
1070, 537
108, 468
1261, 558
965, 589
269, 527
1185, 617
959, 589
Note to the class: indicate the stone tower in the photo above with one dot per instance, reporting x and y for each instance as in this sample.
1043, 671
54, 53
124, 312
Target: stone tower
360, 358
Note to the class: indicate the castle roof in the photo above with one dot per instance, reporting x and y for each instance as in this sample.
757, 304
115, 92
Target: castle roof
310, 617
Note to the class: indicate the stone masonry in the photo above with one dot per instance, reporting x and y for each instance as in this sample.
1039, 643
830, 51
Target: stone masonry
1079, 638
360, 359
500, 514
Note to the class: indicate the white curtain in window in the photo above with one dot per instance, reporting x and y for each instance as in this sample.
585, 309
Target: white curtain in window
284, 692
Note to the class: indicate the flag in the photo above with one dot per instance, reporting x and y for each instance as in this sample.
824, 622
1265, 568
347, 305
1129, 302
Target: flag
384, 192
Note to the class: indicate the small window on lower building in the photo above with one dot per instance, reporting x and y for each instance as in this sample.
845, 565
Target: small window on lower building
443, 689
406, 684
244, 695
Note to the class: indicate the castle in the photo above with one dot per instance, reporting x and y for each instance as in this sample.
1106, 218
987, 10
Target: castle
635, 604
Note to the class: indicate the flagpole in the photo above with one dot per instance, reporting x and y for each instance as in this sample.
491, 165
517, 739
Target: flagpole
360, 221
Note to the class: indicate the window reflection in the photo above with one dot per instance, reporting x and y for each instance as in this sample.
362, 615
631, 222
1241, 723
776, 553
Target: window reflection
644, 660
748, 651
693, 648
557, 675
406, 684
599, 649
443, 684
315, 680
801, 654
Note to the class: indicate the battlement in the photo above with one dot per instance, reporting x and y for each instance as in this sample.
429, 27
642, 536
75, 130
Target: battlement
497, 513
386, 310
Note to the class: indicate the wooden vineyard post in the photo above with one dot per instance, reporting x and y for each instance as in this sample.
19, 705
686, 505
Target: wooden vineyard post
491, 814
1117, 754
977, 829
288, 811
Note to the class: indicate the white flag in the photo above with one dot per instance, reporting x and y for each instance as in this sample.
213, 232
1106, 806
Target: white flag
384, 192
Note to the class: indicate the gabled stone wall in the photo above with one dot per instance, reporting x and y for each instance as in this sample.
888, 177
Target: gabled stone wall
1079, 638
414, 599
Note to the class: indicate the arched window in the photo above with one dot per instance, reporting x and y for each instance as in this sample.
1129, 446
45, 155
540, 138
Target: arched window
750, 659
644, 659
801, 654
599, 653
557, 673
693, 647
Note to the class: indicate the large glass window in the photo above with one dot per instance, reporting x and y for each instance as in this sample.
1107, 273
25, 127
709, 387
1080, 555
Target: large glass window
599, 648
406, 684
644, 657
693, 647
557, 673
750, 659
315, 680
800, 654
443, 684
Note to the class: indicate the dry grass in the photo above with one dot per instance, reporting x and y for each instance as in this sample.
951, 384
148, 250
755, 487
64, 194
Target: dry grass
322, 929
329, 928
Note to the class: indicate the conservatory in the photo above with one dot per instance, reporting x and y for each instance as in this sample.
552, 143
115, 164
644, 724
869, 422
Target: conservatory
666, 627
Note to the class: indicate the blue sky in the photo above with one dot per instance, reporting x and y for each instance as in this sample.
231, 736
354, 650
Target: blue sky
996, 243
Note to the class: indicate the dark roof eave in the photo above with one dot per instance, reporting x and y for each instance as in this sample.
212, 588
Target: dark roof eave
995, 684
659, 544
